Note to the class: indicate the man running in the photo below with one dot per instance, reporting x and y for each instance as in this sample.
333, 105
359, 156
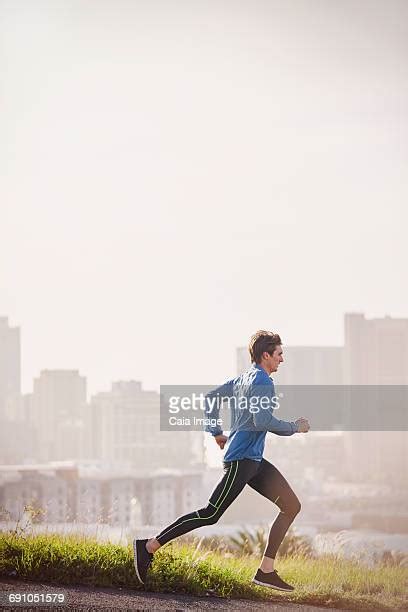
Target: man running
251, 418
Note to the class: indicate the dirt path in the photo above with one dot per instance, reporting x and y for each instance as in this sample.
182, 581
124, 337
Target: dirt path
97, 598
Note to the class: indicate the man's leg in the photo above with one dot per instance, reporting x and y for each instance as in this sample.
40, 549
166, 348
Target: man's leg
235, 477
271, 484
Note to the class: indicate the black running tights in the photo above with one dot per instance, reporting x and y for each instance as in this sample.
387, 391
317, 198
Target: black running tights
261, 476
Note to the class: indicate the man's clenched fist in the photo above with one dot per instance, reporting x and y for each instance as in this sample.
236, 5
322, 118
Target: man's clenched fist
302, 425
221, 440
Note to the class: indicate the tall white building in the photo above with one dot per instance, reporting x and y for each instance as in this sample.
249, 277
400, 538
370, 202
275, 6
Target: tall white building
376, 350
123, 427
123, 423
376, 353
58, 407
10, 370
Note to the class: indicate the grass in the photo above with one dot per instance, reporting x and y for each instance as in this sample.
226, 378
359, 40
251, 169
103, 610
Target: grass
186, 568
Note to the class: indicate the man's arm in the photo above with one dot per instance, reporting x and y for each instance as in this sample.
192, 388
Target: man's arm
213, 401
263, 406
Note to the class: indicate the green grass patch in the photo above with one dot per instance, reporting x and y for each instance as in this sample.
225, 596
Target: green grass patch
187, 568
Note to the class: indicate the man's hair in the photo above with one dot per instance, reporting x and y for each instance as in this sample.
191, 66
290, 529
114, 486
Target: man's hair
263, 341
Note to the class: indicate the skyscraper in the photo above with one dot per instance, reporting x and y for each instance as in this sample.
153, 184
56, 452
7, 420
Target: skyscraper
376, 350
58, 402
376, 353
124, 428
10, 374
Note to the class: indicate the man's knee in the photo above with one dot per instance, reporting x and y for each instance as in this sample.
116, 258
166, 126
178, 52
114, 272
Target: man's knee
210, 514
291, 507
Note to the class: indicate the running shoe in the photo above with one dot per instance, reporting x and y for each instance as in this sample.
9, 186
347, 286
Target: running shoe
142, 559
271, 579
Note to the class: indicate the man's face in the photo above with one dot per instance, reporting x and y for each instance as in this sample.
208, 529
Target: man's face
275, 359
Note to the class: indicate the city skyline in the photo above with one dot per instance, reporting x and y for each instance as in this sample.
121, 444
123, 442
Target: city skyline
118, 430
241, 359
120, 424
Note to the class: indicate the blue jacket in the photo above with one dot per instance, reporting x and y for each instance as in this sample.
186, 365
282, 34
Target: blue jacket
251, 401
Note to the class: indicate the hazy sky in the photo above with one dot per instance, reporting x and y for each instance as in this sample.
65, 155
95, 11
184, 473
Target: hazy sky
177, 174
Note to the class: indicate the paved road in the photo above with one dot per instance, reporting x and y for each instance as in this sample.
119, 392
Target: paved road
97, 598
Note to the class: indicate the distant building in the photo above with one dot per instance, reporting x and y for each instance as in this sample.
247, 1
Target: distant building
10, 374
118, 495
19, 408
123, 426
173, 493
18, 442
46, 488
85, 493
311, 365
376, 350
124, 423
58, 407
304, 365
376, 353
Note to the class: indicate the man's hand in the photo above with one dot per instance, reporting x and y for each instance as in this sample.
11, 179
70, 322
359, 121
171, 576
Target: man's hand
302, 425
221, 440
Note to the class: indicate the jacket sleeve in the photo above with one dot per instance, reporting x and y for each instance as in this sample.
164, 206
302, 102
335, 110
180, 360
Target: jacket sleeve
213, 401
263, 401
